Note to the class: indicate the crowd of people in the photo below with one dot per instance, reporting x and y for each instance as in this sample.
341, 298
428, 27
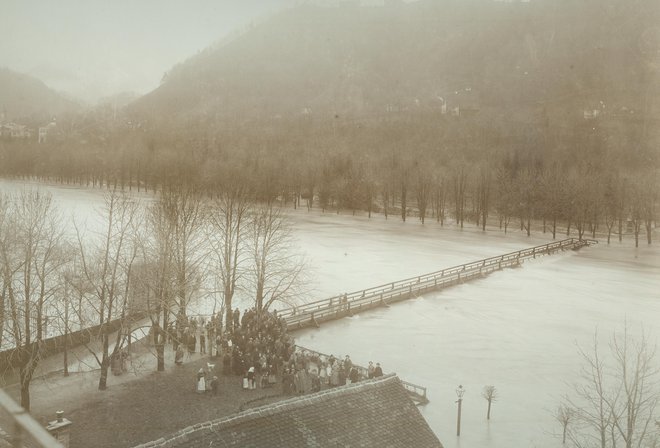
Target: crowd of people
310, 371
192, 333
257, 347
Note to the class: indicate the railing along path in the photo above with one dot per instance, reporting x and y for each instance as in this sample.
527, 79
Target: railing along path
313, 313
417, 393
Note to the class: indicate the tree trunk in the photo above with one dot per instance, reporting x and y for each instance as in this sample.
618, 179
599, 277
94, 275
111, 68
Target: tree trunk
160, 355
105, 362
488, 414
25, 375
403, 202
66, 351
229, 316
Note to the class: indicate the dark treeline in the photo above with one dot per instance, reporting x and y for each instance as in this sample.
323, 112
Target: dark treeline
583, 177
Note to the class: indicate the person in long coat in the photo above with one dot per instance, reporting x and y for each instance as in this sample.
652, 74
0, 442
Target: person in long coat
201, 381
287, 382
354, 375
334, 376
178, 356
214, 385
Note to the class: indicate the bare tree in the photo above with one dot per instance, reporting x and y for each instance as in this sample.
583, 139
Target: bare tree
565, 415
276, 270
506, 196
483, 194
423, 188
490, 395
106, 263
459, 179
553, 195
615, 402
439, 198
228, 227
175, 250
31, 257
182, 206
156, 279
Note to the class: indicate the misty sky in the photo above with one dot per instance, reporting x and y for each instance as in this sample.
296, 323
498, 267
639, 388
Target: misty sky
93, 48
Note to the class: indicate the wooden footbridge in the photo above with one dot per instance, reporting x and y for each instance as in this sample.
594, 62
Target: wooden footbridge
337, 307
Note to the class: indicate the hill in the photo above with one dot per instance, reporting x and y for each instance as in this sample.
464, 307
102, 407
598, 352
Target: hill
514, 62
26, 99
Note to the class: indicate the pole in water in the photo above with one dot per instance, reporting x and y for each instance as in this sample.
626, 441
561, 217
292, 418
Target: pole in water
460, 391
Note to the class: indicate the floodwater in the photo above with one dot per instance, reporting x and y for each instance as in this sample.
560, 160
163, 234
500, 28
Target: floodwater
517, 329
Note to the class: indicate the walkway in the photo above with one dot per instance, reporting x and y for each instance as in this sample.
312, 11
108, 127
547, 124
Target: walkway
337, 307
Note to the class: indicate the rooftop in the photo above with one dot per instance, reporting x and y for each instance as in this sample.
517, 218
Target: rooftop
373, 413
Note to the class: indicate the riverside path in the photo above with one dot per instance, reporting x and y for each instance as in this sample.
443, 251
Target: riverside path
337, 307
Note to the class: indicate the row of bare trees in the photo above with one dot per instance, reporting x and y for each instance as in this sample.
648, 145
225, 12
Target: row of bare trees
580, 195
153, 257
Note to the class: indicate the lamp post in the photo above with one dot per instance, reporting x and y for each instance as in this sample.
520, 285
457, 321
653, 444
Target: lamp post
459, 393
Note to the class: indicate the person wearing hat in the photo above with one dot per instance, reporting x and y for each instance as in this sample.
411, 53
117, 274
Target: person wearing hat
370, 369
378, 371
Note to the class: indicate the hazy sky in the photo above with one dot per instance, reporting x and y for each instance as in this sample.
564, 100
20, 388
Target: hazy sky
94, 48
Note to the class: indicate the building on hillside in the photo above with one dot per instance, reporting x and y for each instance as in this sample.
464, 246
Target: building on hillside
375, 413
464, 103
44, 131
11, 130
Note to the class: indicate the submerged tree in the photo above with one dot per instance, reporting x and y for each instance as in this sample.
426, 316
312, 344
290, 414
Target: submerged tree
564, 416
490, 395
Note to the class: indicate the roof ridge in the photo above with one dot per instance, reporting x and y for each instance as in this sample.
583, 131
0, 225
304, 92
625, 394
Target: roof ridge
284, 405
303, 400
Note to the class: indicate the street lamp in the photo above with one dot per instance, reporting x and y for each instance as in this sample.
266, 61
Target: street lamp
459, 393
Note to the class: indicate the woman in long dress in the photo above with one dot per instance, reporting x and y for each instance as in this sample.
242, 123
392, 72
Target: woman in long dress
201, 381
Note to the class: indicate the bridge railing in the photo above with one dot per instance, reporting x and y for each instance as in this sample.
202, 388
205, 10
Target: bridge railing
368, 296
415, 389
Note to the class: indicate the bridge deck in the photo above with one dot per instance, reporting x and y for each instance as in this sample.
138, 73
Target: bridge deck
337, 307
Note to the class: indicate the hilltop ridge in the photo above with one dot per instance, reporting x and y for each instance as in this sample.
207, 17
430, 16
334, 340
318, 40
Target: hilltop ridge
30, 101
521, 60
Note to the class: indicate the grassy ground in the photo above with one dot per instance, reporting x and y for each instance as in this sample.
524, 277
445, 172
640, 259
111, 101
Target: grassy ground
141, 405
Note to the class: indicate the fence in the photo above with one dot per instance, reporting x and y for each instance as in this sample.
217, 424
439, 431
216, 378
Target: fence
417, 393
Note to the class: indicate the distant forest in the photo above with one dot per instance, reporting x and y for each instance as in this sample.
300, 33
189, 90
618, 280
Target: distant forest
516, 112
